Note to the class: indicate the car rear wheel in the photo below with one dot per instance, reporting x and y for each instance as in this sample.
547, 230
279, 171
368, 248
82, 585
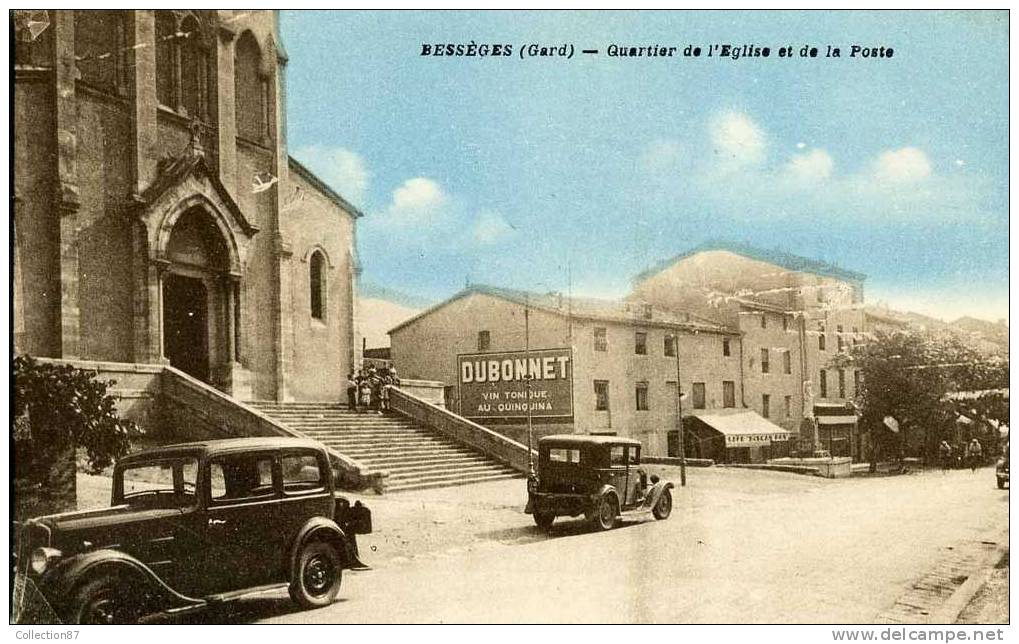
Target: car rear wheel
544, 519
318, 575
663, 508
605, 514
103, 600
1001, 484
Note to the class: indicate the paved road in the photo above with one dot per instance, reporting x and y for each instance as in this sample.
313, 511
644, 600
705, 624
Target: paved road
741, 547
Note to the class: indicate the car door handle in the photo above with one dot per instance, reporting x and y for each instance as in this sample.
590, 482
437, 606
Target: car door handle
217, 522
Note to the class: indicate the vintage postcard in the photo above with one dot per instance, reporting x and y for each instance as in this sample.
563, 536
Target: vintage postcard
510, 317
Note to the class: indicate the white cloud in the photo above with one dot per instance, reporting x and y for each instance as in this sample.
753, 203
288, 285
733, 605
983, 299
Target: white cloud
815, 165
342, 169
737, 138
417, 199
491, 227
905, 165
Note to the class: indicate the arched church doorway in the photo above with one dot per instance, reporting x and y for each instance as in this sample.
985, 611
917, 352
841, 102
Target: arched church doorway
186, 325
195, 295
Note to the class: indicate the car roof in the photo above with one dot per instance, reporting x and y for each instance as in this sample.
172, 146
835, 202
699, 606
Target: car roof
587, 439
219, 446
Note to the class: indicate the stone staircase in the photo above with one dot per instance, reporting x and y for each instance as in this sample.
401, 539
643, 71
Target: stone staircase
415, 456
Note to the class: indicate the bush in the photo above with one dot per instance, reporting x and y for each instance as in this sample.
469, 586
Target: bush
60, 407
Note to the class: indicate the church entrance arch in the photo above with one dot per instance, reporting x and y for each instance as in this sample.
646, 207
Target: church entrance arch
196, 293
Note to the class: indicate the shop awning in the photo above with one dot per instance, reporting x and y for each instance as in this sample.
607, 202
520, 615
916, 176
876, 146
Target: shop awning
744, 428
836, 420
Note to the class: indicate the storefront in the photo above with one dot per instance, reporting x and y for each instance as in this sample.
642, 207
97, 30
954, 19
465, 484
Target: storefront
736, 436
836, 428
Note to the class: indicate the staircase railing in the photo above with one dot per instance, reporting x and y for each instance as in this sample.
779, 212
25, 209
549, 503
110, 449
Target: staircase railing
503, 449
205, 409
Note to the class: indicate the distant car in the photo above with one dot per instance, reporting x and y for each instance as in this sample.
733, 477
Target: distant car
1001, 471
597, 476
194, 524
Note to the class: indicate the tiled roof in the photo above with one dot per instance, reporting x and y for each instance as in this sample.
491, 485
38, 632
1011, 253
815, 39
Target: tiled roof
621, 311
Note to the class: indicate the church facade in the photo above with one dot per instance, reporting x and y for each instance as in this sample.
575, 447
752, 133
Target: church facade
158, 217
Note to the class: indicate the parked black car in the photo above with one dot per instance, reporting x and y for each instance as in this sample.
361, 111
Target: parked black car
597, 476
197, 523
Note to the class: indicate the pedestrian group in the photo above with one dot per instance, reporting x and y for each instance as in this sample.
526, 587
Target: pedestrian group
368, 388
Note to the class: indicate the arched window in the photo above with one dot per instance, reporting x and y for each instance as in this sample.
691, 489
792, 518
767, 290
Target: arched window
249, 91
166, 72
317, 282
194, 69
100, 48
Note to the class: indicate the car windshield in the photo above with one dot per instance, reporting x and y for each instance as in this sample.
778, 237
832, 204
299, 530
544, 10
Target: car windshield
169, 483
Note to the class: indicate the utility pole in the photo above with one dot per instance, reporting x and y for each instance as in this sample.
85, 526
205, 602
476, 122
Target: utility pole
527, 384
679, 415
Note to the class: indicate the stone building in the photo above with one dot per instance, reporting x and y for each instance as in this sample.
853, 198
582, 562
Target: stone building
794, 315
625, 359
158, 216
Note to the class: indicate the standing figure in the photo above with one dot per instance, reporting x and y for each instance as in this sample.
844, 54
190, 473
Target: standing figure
945, 455
387, 382
365, 389
976, 452
352, 391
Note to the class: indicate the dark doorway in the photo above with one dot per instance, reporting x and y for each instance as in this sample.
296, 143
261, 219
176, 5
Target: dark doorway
185, 325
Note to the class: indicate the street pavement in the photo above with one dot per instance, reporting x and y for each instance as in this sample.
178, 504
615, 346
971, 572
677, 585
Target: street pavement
742, 546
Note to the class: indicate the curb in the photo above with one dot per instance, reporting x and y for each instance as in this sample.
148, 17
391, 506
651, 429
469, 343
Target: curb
949, 612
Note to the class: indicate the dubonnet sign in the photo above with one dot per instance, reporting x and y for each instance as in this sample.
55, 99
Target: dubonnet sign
494, 385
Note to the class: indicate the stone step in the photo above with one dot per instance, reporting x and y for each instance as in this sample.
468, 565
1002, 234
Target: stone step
425, 485
419, 470
368, 451
415, 456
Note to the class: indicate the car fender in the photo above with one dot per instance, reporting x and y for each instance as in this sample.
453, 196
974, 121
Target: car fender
607, 489
323, 529
655, 493
69, 574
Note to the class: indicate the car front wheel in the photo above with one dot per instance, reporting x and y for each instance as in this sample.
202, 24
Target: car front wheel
663, 508
1001, 484
318, 575
103, 600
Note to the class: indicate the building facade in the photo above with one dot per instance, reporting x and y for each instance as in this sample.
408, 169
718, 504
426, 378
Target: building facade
158, 217
795, 317
626, 359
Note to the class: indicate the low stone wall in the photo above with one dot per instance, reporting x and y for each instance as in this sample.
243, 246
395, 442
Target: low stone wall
460, 429
830, 468
135, 386
791, 469
674, 460
430, 391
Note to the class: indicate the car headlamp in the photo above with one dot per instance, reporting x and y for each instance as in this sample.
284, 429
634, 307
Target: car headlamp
42, 558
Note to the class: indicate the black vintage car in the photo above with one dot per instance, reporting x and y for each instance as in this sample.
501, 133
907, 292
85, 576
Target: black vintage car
193, 524
597, 476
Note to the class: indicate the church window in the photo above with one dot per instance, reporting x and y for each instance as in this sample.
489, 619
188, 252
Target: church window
316, 275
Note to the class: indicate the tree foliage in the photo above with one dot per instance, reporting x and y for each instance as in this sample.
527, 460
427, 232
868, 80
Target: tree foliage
65, 406
909, 374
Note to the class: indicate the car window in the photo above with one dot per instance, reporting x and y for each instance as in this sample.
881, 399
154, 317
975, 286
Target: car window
563, 455
302, 473
161, 484
241, 476
634, 455
617, 455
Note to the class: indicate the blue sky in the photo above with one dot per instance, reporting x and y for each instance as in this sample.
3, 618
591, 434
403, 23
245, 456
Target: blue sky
524, 172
